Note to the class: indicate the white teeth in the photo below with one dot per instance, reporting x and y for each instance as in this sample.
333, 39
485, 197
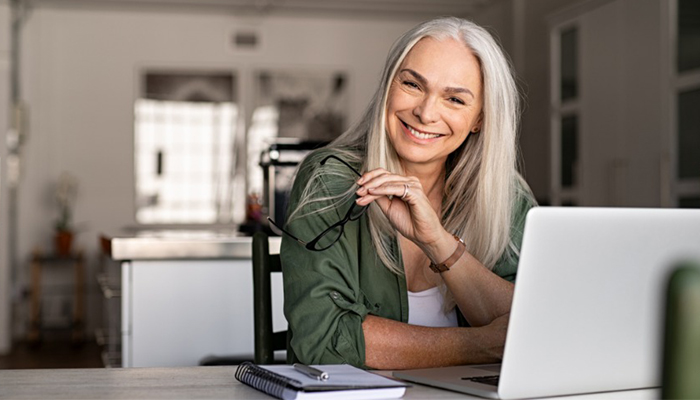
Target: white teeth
420, 135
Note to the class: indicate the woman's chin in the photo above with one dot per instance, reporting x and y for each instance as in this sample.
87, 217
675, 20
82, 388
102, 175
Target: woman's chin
420, 158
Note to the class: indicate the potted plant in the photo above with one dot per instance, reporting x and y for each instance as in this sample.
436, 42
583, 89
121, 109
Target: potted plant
66, 191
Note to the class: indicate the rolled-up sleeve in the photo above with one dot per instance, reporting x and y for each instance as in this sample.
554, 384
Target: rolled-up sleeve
323, 302
507, 266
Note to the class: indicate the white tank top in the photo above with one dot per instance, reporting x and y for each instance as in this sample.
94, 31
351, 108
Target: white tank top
425, 308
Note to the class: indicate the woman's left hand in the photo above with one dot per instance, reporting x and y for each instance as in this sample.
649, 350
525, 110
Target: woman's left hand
405, 204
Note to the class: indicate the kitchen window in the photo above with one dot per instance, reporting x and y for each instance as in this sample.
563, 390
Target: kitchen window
186, 144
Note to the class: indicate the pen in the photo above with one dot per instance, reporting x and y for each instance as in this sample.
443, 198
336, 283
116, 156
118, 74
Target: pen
311, 371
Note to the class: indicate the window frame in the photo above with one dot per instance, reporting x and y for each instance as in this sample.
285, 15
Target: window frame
559, 109
674, 188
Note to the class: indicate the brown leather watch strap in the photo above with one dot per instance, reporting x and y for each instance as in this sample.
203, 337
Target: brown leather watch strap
447, 264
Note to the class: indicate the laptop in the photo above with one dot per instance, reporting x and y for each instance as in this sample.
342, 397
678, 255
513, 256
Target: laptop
587, 313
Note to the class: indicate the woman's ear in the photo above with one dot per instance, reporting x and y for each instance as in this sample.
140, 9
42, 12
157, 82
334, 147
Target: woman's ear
477, 125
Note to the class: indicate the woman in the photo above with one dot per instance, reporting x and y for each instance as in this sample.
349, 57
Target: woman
410, 263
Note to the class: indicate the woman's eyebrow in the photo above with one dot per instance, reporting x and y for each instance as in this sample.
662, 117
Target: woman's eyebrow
420, 78
456, 90
423, 81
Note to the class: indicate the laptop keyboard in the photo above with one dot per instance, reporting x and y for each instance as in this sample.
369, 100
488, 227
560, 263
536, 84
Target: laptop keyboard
487, 380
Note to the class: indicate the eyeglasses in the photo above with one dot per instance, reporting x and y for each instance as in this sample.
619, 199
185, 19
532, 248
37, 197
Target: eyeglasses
333, 233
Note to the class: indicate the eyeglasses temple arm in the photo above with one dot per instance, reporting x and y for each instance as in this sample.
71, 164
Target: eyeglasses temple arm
286, 232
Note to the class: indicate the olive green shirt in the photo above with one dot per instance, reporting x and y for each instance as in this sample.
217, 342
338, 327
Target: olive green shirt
327, 294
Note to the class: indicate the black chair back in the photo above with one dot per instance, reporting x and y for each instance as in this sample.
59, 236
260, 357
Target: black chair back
264, 265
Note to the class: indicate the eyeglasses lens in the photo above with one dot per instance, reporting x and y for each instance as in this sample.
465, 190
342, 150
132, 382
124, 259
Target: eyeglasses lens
357, 212
329, 238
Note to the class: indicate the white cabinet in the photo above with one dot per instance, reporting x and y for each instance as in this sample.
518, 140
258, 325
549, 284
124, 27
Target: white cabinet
175, 312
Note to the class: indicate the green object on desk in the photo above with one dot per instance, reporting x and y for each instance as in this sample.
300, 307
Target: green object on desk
681, 357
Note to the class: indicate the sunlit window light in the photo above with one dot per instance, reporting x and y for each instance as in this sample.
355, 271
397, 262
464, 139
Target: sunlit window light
184, 162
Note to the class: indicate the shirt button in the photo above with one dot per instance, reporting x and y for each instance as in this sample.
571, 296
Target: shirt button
335, 295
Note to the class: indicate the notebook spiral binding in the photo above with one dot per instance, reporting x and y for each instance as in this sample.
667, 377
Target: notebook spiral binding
264, 380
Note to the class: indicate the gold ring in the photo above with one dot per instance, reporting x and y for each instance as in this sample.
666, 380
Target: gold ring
405, 191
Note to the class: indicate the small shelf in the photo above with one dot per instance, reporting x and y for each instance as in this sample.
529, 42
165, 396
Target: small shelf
37, 323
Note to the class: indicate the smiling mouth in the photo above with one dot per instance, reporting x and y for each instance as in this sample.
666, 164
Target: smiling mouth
419, 134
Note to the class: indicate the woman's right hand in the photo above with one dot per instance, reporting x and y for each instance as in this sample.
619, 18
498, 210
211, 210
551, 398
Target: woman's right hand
406, 205
496, 331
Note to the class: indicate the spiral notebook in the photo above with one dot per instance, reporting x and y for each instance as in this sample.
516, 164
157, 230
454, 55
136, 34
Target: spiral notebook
345, 382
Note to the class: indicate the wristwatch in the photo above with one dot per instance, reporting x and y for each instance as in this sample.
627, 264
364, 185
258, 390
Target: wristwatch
445, 265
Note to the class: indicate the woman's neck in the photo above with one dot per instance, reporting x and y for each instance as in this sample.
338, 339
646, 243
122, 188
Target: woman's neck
431, 177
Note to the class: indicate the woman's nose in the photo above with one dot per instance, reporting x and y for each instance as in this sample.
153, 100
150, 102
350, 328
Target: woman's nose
426, 110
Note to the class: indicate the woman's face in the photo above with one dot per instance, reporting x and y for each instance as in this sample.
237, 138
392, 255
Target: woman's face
434, 101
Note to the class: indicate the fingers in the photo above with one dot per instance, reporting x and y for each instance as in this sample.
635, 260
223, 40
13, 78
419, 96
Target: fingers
403, 201
380, 183
400, 189
369, 175
381, 179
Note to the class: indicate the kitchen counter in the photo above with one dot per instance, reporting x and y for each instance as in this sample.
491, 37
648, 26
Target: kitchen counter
180, 244
184, 295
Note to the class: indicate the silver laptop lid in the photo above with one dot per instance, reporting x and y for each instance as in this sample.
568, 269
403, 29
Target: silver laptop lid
587, 306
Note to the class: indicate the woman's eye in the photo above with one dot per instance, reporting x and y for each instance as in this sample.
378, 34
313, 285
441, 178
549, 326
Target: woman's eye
410, 84
456, 100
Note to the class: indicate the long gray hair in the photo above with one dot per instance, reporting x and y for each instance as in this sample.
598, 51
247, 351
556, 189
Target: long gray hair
482, 179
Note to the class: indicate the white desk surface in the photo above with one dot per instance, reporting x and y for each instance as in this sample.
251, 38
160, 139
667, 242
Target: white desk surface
183, 383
